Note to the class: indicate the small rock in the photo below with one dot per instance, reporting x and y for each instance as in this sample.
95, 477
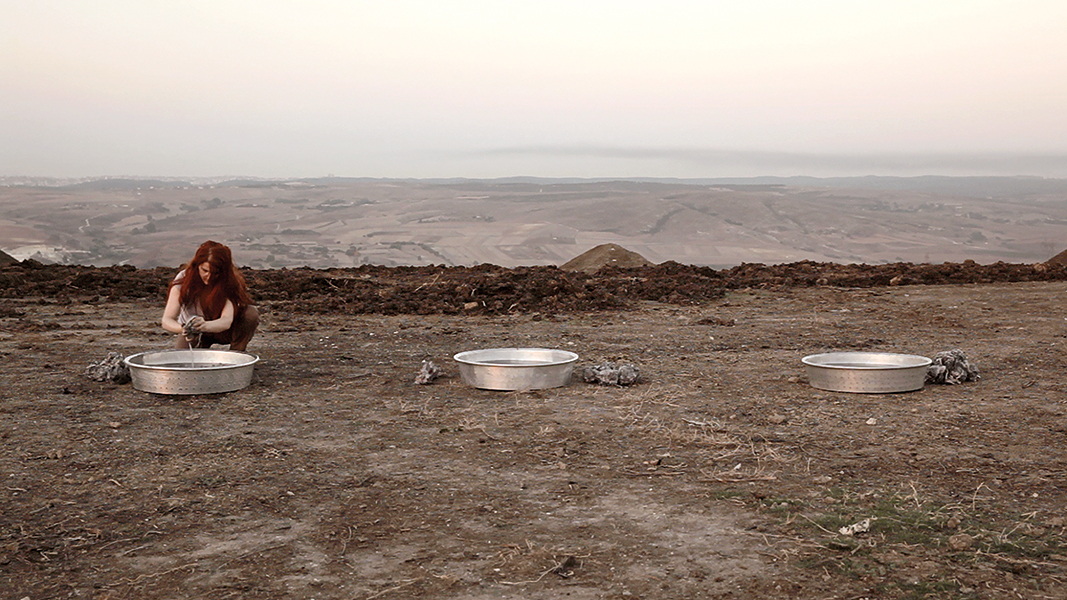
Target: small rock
960, 541
823, 479
872, 421
777, 419
566, 568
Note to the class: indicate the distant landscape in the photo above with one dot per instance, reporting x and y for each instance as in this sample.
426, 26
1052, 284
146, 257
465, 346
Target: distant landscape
340, 222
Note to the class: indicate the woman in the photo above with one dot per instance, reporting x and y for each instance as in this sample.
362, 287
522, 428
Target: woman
208, 302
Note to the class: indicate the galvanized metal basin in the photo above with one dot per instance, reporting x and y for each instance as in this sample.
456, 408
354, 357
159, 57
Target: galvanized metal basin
195, 371
511, 369
866, 372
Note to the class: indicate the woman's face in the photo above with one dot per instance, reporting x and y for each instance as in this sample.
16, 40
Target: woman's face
205, 272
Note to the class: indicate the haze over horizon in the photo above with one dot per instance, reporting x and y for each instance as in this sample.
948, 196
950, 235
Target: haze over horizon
478, 89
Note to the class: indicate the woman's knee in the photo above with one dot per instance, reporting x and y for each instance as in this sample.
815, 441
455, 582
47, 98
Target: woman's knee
251, 317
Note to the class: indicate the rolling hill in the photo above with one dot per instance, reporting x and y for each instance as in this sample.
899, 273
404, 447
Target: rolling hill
526, 222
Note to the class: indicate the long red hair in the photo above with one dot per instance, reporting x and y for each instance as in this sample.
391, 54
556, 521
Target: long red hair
226, 281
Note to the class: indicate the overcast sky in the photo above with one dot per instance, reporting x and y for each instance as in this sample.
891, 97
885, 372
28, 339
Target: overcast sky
588, 88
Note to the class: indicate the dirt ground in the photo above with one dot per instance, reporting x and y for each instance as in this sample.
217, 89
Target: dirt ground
721, 474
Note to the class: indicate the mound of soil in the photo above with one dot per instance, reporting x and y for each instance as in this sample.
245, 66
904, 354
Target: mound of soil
605, 255
1059, 259
488, 289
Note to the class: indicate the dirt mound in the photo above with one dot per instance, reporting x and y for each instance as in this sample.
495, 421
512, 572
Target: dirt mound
1059, 259
489, 289
605, 255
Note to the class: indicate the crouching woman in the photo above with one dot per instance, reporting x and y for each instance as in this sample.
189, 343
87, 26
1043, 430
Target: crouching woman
208, 302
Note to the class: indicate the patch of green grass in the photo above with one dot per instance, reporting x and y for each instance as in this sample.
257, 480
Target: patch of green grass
1022, 546
921, 590
726, 494
780, 505
903, 524
946, 533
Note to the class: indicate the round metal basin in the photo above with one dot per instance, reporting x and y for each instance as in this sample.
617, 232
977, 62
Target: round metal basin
196, 371
866, 372
510, 369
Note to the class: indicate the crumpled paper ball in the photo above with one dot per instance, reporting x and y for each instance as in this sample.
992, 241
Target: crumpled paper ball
427, 373
951, 367
612, 374
113, 368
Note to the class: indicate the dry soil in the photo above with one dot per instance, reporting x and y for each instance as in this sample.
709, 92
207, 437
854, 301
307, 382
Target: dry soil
721, 474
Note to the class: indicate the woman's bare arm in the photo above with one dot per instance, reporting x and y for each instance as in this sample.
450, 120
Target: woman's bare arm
220, 324
173, 309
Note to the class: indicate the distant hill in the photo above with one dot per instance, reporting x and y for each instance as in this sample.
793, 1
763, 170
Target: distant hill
976, 187
520, 221
123, 184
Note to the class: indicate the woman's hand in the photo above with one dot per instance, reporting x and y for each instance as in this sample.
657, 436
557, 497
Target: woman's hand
199, 325
193, 328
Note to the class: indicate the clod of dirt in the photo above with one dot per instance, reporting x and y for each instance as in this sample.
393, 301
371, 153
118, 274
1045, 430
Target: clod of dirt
960, 541
427, 373
716, 321
612, 374
111, 368
566, 568
951, 367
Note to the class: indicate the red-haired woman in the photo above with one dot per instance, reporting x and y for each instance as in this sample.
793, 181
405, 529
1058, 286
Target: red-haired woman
208, 302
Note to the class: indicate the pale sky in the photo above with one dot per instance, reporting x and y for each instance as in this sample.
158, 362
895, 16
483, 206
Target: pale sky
554, 88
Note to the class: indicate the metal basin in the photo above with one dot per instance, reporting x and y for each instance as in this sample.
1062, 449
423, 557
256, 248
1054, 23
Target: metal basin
196, 371
866, 372
512, 369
